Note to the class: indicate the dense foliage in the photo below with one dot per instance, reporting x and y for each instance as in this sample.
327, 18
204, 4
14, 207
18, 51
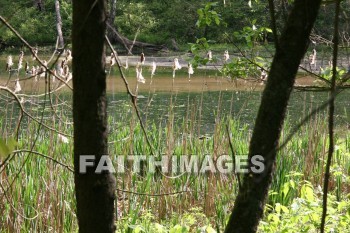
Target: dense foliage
158, 21
36, 24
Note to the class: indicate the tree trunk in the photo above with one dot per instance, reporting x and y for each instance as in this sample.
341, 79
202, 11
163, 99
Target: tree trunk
38, 4
95, 193
250, 202
59, 24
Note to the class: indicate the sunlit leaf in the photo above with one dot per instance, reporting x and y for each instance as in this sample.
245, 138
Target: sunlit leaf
7, 147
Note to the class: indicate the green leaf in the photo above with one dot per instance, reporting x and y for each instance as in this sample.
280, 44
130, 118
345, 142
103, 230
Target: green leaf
284, 209
209, 229
217, 20
178, 229
7, 147
307, 192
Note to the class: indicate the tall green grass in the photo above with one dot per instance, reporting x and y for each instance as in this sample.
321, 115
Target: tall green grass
40, 193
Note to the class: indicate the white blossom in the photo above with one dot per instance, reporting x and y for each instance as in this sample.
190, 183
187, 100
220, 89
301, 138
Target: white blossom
9, 63
176, 66
68, 55
154, 67
313, 57
63, 139
20, 60
126, 64
190, 69
35, 53
210, 55
17, 87
226, 56
139, 75
142, 58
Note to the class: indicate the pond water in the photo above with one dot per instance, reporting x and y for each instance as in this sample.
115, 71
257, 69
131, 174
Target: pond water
240, 104
204, 98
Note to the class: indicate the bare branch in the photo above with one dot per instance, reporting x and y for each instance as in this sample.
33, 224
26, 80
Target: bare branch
331, 115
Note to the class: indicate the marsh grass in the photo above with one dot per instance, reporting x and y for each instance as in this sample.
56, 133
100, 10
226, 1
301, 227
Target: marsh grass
41, 197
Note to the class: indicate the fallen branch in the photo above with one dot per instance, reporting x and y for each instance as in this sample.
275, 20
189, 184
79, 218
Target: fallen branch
128, 44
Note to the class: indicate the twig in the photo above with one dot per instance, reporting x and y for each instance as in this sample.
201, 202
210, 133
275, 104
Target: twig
234, 156
132, 96
44, 156
331, 115
313, 74
29, 115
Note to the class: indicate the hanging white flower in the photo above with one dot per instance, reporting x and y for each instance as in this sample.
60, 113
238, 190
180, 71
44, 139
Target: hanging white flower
113, 60
210, 55
263, 75
68, 55
37, 71
9, 63
35, 53
254, 27
313, 57
142, 58
66, 71
43, 69
31, 72
139, 75
190, 69
226, 56
20, 60
63, 139
154, 67
176, 66
60, 71
17, 87
126, 64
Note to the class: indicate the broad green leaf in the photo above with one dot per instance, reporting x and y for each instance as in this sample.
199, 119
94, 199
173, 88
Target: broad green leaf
178, 229
307, 192
284, 209
209, 229
7, 147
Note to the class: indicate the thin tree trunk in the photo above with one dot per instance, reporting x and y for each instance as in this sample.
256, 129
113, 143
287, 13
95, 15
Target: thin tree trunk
333, 91
111, 18
95, 193
59, 24
250, 202
38, 4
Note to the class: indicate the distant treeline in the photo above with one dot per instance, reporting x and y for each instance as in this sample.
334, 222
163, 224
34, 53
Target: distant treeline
156, 21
